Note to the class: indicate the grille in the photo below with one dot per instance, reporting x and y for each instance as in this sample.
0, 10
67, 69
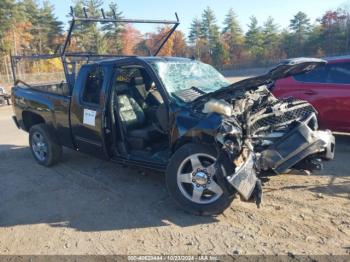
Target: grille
275, 121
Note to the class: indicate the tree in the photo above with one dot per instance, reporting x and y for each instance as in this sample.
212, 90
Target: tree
233, 36
6, 23
220, 53
130, 38
88, 35
346, 11
254, 39
6, 14
334, 31
155, 40
179, 43
195, 37
209, 28
142, 48
50, 33
32, 11
195, 31
271, 40
210, 33
300, 26
113, 31
314, 44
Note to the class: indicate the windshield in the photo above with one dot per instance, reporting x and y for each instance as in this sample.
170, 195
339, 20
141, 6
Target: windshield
182, 75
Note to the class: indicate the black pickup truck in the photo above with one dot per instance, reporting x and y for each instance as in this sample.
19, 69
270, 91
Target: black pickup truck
213, 139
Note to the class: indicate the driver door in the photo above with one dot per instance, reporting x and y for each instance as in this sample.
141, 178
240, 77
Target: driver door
87, 110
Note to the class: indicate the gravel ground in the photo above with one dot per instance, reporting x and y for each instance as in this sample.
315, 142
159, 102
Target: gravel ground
89, 206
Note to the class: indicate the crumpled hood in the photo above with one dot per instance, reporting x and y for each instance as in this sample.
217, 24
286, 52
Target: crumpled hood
286, 68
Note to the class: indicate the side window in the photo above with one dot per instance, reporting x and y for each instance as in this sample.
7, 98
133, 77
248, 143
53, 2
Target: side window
93, 86
339, 73
319, 75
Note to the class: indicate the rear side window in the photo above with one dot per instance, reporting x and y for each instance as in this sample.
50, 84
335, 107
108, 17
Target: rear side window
339, 73
319, 75
93, 86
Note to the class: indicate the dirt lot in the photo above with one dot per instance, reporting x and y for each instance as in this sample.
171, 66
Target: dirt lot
89, 206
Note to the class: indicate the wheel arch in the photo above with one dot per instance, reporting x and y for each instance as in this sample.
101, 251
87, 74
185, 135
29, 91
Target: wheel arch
30, 119
203, 138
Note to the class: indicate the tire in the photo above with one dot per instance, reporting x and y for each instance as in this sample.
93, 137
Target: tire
44, 145
203, 205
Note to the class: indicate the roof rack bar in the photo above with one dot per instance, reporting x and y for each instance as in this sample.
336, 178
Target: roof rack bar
166, 39
72, 12
94, 55
103, 13
112, 20
114, 14
63, 54
35, 57
85, 12
68, 38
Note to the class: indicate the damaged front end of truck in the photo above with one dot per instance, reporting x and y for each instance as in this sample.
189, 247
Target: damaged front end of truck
260, 135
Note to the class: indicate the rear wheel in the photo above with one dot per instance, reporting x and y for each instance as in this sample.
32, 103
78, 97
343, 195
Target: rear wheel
192, 183
44, 145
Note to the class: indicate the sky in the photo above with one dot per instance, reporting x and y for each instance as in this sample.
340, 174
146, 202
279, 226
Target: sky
281, 10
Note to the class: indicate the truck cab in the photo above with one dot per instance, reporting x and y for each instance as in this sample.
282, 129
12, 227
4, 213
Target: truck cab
119, 109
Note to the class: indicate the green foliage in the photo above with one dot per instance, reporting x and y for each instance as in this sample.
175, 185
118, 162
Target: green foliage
231, 24
6, 14
233, 36
209, 28
6, 22
300, 24
88, 36
113, 31
195, 31
271, 40
254, 39
220, 54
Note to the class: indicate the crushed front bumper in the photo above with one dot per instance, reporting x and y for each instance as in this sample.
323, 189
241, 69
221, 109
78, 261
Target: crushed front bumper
295, 146
245, 177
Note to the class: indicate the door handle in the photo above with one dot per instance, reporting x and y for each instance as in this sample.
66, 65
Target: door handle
310, 92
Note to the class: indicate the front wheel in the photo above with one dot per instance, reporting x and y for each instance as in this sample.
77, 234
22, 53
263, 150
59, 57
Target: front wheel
191, 181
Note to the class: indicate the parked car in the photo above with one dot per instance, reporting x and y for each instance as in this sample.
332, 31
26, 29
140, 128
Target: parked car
181, 116
327, 88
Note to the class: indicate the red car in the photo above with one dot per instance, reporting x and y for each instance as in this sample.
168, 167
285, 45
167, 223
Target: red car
327, 88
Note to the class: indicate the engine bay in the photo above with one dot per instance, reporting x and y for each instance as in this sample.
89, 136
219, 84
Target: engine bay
261, 134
